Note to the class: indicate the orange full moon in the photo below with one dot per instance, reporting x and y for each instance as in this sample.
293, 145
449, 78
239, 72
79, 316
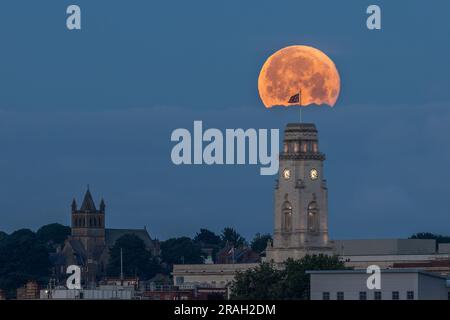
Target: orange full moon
297, 69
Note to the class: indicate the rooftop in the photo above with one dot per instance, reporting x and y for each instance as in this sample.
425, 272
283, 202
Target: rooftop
364, 271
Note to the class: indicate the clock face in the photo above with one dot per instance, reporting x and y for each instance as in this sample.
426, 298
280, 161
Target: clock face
314, 174
286, 174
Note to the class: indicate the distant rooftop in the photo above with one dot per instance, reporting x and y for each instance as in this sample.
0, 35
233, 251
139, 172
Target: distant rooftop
364, 247
364, 271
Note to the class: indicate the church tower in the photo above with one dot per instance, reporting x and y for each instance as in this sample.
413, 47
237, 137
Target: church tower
88, 224
301, 198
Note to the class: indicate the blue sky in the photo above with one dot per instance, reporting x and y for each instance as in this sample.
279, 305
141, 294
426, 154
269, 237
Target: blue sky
98, 106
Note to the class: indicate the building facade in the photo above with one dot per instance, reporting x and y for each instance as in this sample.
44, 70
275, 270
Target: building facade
89, 244
395, 284
208, 275
301, 197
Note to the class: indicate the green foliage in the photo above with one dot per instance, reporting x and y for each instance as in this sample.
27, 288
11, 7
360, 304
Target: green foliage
231, 236
22, 258
53, 234
207, 238
137, 260
261, 283
181, 250
3, 235
259, 242
289, 282
427, 235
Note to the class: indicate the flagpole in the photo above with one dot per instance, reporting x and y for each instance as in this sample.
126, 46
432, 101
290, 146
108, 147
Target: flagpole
300, 101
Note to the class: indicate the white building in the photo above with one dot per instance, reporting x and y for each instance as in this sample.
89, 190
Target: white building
108, 292
396, 284
208, 275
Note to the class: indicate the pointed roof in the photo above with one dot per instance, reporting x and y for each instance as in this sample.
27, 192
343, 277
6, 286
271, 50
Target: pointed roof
88, 204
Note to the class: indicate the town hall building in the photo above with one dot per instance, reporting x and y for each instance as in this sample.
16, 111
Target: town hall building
301, 198
301, 223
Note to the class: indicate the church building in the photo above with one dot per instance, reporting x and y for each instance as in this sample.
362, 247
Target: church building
89, 243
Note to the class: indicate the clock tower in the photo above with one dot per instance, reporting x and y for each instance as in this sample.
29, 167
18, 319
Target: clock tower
301, 198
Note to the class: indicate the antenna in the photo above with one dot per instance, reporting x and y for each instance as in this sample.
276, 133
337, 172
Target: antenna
121, 267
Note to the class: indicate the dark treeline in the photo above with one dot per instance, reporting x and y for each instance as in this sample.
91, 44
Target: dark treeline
25, 255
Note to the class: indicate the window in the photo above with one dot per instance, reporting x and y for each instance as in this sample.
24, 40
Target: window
395, 295
313, 217
410, 295
340, 295
325, 296
448, 295
179, 280
377, 295
287, 215
363, 295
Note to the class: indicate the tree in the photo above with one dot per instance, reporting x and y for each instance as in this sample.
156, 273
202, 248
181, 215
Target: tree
261, 283
291, 282
259, 242
22, 258
53, 234
3, 235
428, 235
137, 260
181, 250
296, 282
231, 236
207, 238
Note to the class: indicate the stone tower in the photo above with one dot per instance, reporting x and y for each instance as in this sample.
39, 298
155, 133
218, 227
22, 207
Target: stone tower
301, 204
88, 224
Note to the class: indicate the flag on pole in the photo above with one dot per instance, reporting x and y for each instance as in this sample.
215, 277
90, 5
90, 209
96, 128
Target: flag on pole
295, 98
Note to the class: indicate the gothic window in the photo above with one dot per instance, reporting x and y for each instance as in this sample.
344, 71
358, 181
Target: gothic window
287, 215
313, 217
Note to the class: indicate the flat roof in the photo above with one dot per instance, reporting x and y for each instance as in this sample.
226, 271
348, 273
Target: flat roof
364, 271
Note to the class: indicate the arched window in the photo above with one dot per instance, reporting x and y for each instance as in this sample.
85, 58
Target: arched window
287, 216
313, 217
